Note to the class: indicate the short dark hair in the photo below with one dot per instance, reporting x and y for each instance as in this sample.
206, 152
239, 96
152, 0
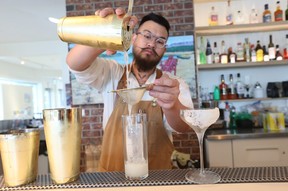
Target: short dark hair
157, 18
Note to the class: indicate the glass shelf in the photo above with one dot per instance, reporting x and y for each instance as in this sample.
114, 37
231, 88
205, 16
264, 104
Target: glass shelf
242, 65
254, 99
242, 28
208, 1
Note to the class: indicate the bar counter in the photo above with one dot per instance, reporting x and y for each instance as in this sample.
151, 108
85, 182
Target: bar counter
245, 133
256, 178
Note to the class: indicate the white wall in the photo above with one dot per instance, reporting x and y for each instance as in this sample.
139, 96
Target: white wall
28, 35
40, 78
17, 101
1, 103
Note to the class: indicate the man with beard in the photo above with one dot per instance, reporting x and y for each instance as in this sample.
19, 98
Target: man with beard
162, 103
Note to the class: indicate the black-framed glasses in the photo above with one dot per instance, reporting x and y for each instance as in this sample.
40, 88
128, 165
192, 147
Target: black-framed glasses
148, 36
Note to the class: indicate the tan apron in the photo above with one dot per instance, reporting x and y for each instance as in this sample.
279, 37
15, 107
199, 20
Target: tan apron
160, 147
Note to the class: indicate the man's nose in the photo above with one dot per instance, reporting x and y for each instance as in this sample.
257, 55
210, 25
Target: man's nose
152, 43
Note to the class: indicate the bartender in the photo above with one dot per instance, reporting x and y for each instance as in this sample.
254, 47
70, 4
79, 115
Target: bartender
162, 103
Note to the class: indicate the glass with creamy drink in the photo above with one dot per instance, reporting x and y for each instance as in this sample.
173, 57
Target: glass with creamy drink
135, 146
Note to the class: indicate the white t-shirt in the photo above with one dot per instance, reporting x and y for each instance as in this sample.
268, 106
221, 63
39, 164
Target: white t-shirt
104, 75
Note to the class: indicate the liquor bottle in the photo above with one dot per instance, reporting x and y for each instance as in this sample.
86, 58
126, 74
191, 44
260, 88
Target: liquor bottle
223, 55
247, 86
247, 50
259, 52
271, 49
286, 12
240, 52
286, 48
216, 93
202, 51
240, 88
208, 53
231, 88
216, 58
253, 54
227, 115
278, 53
200, 101
253, 18
221, 105
223, 88
278, 14
232, 123
265, 54
231, 55
239, 18
198, 55
213, 19
267, 14
229, 14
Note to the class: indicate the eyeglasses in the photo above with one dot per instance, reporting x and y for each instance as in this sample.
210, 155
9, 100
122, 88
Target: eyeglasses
148, 36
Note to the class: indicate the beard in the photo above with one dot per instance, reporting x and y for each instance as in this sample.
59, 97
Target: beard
146, 63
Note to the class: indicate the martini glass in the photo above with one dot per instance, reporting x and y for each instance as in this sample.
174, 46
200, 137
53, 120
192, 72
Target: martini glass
199, 120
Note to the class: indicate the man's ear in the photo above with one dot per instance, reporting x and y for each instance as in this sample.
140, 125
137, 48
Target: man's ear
134, 37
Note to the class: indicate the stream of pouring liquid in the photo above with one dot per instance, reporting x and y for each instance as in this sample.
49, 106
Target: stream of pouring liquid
126, 59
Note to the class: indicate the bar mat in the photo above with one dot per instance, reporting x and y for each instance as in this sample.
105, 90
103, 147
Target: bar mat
157, 178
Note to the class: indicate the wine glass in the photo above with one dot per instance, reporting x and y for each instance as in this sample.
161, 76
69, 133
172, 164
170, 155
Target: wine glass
199, 120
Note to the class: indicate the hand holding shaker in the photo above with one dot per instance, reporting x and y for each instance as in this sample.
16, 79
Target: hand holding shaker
135, 146
110, 32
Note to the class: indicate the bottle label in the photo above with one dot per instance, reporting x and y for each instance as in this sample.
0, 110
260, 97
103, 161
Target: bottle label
223, 91
227, 115
285, 53
231, 90
224, 59
279, 58
278, 17
229, 19
247, 55
240, 53
253, 56
267, 18
214, 18
240, 90
209, 59
266, 58
259, 55
271, 51
216, 58
232, 58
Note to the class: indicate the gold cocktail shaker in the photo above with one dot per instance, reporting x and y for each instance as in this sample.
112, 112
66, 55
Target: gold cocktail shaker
110, 32
62, 128
19, 153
